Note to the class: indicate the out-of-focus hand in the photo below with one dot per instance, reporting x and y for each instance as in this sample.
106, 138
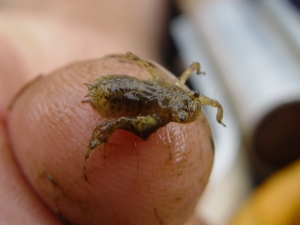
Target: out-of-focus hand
43, 138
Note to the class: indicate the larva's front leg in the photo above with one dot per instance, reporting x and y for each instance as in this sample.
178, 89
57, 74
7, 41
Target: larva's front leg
142, 126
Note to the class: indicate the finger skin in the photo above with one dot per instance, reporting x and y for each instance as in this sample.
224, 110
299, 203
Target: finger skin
18, 203
131, 181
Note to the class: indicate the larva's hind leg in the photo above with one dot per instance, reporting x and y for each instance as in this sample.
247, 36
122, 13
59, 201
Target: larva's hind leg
147, 65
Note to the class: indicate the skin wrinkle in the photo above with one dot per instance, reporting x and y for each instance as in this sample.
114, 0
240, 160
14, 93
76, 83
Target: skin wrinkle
180, 140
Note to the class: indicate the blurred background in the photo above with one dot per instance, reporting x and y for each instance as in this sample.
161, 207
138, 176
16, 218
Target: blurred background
250, 51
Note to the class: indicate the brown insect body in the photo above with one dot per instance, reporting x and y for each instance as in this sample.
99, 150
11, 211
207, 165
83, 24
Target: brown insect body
121, 95
143, 106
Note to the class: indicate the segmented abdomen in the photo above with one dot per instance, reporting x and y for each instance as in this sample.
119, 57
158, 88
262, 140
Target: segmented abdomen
116, 96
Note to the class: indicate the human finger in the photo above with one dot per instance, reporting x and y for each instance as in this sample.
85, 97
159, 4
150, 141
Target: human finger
131, 181
18, 201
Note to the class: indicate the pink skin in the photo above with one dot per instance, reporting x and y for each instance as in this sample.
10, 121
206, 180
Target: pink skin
47, 131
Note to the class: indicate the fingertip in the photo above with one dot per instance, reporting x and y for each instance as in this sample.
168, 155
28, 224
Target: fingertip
50, 129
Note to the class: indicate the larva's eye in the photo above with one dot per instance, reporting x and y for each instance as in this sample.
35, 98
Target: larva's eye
182, 119
196, 94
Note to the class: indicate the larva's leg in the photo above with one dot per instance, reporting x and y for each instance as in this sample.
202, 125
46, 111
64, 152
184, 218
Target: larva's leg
214, 103
143, 63
186, 74
142, 126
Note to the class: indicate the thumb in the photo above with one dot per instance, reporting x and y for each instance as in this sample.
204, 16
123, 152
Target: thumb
131, 181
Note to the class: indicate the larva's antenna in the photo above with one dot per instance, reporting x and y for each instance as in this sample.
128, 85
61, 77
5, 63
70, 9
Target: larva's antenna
214, 103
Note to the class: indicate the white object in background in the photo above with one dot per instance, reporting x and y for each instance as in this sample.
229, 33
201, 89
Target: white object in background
261, 74
286, 19
229, 182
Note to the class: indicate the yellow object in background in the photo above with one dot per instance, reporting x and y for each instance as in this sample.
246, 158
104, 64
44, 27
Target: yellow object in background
276, 202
